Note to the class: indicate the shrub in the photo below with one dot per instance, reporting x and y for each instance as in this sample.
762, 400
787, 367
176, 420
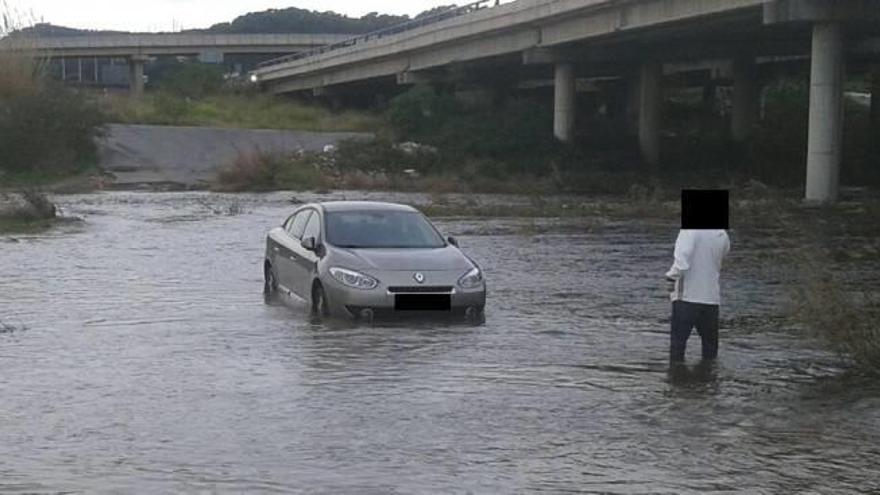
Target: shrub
264, 171
44, 127
420, 112
847, 320
510, 139
191, 80
52, 128
381, 155
40, 208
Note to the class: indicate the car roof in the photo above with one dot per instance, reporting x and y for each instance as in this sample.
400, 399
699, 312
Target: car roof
332, 206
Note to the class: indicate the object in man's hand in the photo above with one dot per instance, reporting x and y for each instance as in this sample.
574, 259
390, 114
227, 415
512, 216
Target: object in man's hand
670, 284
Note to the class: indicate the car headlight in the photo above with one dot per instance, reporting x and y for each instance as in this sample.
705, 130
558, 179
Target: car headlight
354, 279
471, 279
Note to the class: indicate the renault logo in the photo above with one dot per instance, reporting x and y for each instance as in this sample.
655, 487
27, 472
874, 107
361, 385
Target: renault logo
419, 277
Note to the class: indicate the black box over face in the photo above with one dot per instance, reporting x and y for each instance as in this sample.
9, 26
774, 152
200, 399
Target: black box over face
705, 209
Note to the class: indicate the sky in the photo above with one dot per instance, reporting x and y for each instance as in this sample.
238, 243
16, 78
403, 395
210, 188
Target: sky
174, 15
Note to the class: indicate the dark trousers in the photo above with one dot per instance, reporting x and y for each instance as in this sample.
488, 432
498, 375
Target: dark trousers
686, 316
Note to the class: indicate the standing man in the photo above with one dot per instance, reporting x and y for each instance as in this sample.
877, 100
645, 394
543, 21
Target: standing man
700, 248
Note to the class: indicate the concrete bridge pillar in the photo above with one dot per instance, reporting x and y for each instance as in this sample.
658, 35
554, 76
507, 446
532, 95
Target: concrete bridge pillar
826, 112
136, 74
564, 102
650, 105
746, 98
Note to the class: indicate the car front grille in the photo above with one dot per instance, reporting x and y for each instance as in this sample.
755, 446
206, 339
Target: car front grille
420, 289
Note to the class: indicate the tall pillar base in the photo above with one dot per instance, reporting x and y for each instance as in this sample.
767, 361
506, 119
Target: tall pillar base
564, 102
826, 113
136, 75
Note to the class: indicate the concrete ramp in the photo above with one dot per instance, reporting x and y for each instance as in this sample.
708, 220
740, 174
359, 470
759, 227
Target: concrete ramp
191, 156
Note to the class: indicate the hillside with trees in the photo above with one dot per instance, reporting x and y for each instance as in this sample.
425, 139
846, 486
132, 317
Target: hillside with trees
289, 20
294, 20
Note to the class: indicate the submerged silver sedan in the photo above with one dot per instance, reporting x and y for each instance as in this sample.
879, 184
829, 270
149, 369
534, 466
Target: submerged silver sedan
360, 259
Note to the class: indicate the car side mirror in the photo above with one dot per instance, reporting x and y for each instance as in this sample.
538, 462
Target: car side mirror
309, 243
452, 240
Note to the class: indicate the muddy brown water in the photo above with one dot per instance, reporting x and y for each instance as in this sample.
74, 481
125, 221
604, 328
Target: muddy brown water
143, 358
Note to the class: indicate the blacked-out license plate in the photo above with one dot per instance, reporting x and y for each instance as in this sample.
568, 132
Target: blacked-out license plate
422, 302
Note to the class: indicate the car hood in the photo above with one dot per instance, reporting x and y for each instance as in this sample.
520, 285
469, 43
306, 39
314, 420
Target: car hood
431, 259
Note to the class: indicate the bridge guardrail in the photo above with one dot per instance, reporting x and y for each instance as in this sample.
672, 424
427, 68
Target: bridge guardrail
396, 29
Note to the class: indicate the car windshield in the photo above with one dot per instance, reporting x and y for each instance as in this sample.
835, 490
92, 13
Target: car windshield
381, 229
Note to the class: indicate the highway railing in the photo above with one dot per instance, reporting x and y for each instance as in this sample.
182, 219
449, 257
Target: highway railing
392, 30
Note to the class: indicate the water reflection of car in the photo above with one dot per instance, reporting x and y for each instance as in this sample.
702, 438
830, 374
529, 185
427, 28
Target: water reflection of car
359, 259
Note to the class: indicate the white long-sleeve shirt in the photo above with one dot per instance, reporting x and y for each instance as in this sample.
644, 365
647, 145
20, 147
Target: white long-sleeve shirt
697, 266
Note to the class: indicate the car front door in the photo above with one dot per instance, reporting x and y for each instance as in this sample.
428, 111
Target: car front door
286, 256
306, 261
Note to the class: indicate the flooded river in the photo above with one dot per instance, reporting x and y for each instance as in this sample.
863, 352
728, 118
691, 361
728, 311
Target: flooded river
141, 357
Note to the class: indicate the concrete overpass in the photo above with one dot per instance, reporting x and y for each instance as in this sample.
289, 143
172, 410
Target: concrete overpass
639, 40
139, 48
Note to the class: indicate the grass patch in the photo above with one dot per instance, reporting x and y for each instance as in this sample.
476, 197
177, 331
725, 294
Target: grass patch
382, 165
261, 171
13, 225
251, 111
833, 311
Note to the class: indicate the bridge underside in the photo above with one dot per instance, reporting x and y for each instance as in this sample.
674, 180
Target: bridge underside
125, 70
121, 59
744, 49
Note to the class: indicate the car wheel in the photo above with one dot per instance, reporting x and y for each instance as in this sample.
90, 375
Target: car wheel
320, 305
475, 315
270, 283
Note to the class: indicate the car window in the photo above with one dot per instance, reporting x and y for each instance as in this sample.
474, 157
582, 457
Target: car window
313, 228
299, 223
381, 229
286, 224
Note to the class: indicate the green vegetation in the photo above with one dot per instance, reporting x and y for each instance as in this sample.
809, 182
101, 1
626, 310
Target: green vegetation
289, 20
429, 138
510, 138
357, 165
846, 320
699, 140
231, 110
294, 20
266, 171
496, 140
196, 94
46, 130
831, 305
189, 80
